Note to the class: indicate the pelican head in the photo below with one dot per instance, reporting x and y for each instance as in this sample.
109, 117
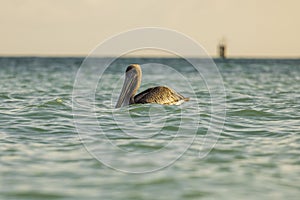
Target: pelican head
132, 82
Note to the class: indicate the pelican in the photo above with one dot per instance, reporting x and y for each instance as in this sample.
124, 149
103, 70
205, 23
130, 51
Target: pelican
159, 95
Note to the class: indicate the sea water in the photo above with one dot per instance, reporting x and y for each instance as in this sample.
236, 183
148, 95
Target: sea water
56, 146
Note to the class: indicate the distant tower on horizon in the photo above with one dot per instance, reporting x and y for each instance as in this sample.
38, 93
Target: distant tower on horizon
222, 49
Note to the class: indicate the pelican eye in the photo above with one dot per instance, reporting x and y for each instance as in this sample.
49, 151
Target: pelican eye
129, 68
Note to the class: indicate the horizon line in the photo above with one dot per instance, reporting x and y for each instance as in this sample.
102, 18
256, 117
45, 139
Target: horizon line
141, 56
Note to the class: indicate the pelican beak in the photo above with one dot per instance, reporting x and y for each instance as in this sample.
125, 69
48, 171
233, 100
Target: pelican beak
128, 89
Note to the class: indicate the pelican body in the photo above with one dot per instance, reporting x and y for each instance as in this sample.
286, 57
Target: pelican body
159, 95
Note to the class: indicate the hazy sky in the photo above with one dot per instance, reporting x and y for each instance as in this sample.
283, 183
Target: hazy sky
263, 28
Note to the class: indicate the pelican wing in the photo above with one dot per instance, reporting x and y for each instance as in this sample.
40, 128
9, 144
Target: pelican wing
160, 95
